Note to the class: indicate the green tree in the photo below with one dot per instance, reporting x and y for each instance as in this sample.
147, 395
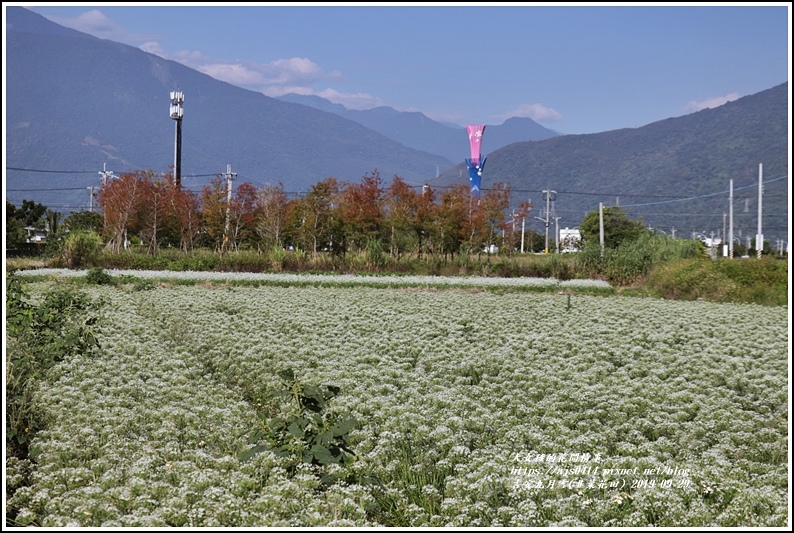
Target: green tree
315, 216
454, 218
618, 227
32, 214
15, 226
84, 221
18, 219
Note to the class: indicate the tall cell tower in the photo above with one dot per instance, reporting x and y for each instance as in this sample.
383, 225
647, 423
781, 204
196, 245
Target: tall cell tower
177, 98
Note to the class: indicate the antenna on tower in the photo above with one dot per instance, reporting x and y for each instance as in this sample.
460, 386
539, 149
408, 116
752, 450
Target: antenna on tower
176, 112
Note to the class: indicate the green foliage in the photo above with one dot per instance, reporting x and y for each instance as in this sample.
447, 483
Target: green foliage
84, 221
40, 336
618, 228
81, 248
306, 433
632, 260
761, 281
374, 253
276, 258
15, 227
30, 213
97, 276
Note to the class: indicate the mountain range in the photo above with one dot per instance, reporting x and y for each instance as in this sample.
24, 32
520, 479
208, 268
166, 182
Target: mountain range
415, 130
76, 104
674, 173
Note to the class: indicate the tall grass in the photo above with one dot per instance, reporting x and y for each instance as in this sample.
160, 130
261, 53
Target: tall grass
763, 282
632, 261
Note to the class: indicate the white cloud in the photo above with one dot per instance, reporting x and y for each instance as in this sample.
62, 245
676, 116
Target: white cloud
152, 47
96, 23
537, 112
355, 101
297, 75
282, 76
710, 103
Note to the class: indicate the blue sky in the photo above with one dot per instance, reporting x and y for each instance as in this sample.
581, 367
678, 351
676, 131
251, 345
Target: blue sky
572, 68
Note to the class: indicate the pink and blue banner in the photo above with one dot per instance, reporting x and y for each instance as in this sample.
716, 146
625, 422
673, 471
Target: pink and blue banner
475, 163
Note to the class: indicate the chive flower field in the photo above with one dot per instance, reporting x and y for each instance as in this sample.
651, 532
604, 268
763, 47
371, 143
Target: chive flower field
472, 407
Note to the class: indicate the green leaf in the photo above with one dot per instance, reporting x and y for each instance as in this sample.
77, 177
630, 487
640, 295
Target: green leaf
314, 392
287, 375
35, 452
255, 435
324, 438
323, 455
246, 455
295, 430
344, 426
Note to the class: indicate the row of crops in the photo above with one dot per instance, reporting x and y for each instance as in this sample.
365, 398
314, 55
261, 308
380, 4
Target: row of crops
472, 408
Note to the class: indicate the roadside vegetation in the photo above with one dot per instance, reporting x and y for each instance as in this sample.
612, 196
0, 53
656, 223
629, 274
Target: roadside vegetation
375, 228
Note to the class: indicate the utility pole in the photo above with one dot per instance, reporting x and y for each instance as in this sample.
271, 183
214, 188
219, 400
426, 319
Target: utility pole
513, 218
730, 225
523, 220
106, 175
229, 177
601, 226
548, 194
759, 237
724, 246
91, 192
557, 232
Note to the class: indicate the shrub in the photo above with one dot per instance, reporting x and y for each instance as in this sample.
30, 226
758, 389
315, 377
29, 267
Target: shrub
634, 259
81, 248
97, 276
39, 337
306, 434
690, 279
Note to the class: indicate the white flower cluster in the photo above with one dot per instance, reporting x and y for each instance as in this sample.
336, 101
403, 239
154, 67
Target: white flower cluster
449, 387
334, 279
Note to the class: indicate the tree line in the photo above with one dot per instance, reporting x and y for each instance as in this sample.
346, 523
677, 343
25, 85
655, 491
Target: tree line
333, 216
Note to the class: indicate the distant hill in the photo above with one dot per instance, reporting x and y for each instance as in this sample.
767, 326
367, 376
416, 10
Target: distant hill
416, 130
76, 103
648, 170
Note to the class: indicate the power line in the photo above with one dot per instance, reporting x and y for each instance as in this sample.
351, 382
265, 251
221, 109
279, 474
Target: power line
52, 171
46, 190
706, 195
